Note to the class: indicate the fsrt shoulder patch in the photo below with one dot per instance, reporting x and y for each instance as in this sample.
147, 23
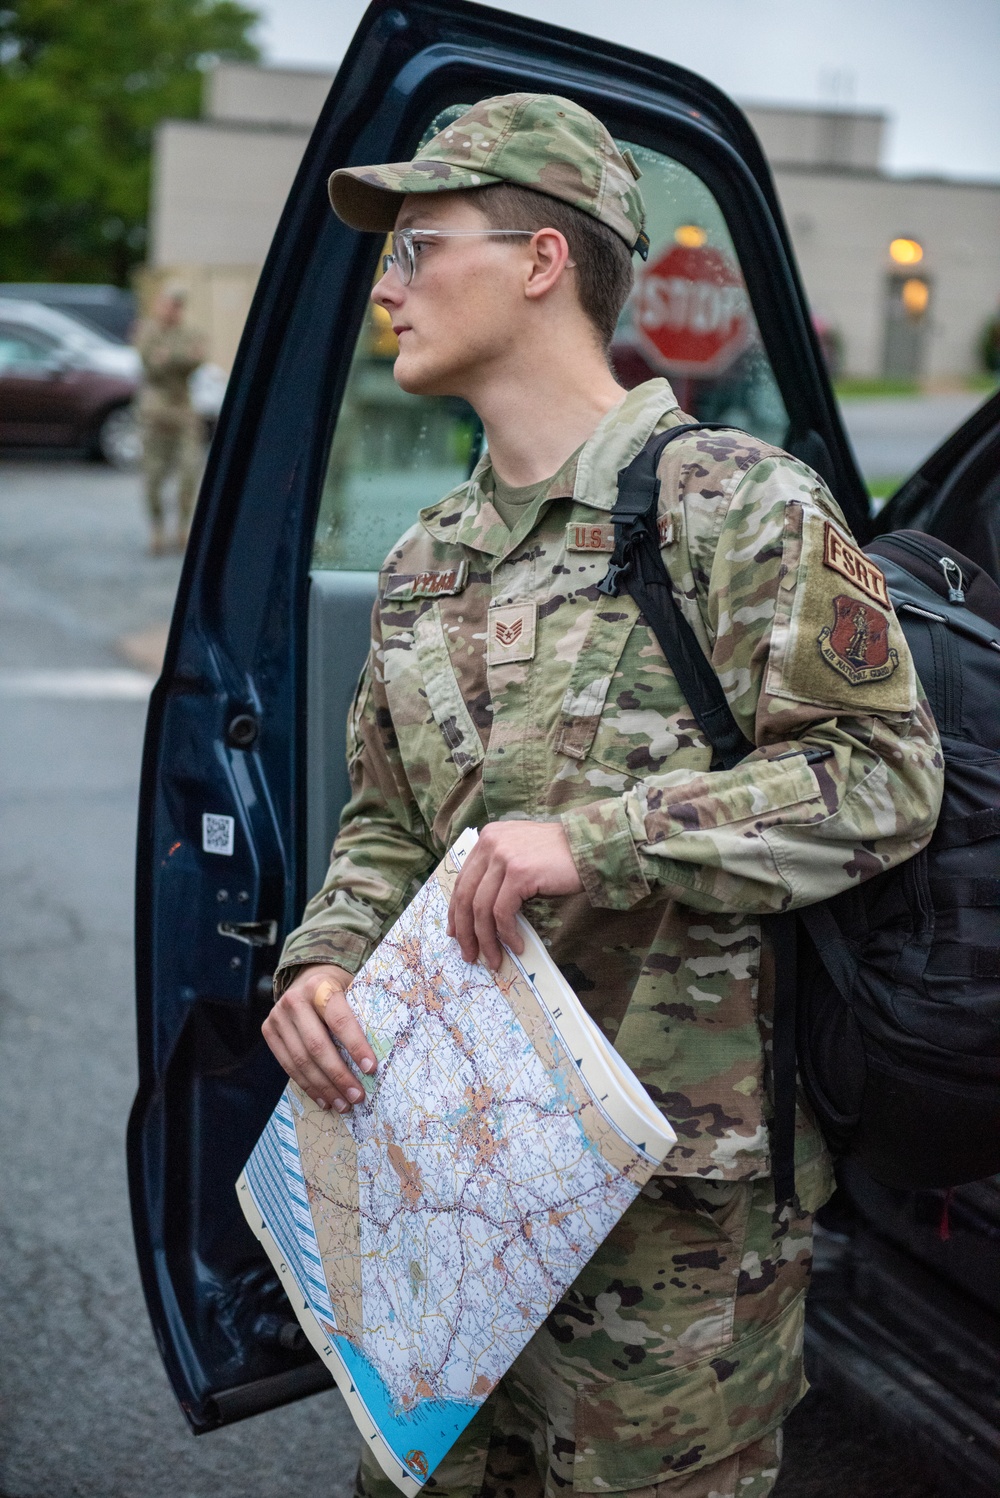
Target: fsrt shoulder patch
840, 556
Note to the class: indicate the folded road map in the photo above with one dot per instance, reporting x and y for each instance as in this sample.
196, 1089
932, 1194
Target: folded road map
426, 1235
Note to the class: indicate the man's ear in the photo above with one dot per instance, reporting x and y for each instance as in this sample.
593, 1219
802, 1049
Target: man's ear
549, 259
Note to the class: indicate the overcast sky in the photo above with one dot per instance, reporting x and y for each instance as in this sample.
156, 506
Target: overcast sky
932, 65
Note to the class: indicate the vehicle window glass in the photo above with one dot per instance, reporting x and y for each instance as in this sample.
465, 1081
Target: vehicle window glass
689, 319
19, 350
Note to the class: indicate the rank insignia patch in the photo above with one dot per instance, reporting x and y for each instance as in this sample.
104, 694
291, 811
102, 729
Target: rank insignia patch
853, 565
857, 643
511, 633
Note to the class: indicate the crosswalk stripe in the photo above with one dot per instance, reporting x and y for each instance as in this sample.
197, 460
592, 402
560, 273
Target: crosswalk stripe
110, 685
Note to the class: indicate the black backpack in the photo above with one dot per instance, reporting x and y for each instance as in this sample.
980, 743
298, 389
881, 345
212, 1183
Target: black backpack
889, 993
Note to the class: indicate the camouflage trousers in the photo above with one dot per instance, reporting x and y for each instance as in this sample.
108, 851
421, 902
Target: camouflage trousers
668, 1366
171, 443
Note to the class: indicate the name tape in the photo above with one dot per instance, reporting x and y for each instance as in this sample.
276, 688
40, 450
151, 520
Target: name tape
430, 584
585, 537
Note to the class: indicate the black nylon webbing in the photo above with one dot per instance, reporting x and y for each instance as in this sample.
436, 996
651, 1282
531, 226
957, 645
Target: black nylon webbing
965, 894
637, 565
955, 960
958, 831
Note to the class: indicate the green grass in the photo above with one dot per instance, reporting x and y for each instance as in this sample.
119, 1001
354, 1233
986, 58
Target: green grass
854, 388
881, 489
848, 387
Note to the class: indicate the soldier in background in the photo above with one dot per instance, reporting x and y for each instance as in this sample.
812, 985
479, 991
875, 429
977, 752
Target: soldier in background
172, 439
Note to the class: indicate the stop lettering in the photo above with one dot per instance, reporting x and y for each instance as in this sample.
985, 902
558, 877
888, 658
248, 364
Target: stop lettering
692, 315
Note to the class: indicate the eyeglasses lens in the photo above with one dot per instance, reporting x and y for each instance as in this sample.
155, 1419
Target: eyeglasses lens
402, 249
401, 258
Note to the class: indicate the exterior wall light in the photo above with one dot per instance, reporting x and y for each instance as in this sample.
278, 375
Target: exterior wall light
691, 236
916, 294
906, 251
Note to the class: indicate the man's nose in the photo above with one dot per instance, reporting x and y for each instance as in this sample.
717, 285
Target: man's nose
387, 290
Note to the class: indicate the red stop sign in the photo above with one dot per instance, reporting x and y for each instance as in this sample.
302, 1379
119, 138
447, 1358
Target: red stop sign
692, 314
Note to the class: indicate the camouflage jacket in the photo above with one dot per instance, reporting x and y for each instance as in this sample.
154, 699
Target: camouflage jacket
501, 683
169, 357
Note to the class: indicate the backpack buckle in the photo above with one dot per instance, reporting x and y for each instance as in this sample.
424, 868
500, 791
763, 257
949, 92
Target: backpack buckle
610, 584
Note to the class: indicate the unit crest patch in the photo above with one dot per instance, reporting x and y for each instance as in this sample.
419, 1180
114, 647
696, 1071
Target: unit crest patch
840, 556
857, 643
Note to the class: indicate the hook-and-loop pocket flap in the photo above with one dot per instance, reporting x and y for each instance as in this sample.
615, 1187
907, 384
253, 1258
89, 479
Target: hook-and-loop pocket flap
444, 695
580, 715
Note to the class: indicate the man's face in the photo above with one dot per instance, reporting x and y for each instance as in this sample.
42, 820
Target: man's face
170, 311
461, 311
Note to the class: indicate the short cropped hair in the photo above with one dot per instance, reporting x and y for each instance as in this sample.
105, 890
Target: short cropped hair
604, 273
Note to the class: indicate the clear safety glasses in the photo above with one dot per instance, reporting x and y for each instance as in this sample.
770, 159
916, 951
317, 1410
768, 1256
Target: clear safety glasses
407, 245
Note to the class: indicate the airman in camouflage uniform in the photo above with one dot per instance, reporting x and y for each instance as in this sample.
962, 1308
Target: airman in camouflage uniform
502, 684
172, 436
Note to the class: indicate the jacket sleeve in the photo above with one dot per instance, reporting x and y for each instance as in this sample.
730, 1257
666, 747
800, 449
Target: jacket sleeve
382, 854
847, 775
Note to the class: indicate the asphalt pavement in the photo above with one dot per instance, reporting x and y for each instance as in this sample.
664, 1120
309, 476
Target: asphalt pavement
85, 1408
891, 435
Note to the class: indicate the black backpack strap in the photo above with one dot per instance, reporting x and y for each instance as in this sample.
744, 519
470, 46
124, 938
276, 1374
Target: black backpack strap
637, 565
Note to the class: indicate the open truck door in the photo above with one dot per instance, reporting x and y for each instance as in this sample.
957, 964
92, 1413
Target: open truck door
903, 1323
319, 463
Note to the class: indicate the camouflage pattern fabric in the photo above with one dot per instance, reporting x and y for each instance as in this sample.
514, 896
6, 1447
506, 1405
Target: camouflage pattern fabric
668, 1365
169, 357
172, 437
172, 442
501, 683
540, 141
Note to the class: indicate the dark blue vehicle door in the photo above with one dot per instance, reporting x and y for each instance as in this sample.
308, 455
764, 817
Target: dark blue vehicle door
317, 465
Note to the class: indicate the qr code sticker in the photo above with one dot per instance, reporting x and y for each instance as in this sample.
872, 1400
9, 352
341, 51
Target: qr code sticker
217, 833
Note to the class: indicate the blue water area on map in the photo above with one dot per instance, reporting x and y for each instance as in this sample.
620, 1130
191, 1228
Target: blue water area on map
431, 1428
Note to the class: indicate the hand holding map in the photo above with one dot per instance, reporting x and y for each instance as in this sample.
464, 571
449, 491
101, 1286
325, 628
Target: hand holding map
424, 1237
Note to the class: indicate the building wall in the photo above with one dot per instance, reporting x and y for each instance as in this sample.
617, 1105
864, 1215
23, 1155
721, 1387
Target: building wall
219, 189
243, 92
220, 184
842, 226
218, 192
819, 137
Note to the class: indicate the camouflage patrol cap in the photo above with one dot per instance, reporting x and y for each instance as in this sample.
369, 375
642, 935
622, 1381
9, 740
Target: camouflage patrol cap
539, 141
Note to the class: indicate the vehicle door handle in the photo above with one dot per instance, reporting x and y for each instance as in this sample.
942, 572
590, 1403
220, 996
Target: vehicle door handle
254, 933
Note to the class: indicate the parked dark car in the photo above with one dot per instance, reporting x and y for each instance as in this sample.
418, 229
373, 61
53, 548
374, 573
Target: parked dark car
63, 384
106, 309
319, 463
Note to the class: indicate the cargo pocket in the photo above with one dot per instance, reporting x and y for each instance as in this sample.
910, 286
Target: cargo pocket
632, 1433
439, 744
444, 695
623, 712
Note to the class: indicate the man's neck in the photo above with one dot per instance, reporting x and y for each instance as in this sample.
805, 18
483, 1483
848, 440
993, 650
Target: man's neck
536, 415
